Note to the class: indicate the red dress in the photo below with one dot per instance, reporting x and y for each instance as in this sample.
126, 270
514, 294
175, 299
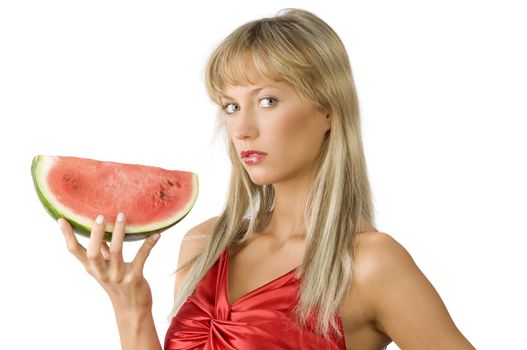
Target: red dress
261, 319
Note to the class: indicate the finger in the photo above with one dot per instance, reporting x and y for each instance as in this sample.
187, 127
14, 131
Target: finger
73, 245
117, 266
93, 252
144, 252
116, 248
105, 251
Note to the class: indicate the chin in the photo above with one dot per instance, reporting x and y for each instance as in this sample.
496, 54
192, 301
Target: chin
260, 180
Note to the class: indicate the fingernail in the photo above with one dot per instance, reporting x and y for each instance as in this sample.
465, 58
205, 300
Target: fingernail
120, 217
99, 219
60, 223
155, 237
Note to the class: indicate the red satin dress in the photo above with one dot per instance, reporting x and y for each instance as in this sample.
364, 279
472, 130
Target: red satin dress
261, 319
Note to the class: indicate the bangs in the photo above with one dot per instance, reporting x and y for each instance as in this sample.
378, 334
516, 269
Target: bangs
231, 66
275, 48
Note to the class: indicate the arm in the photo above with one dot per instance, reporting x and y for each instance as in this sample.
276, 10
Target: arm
137, 329
123, 282
136, 326
404, 303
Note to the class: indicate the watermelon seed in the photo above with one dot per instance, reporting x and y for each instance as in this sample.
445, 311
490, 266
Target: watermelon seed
161, 198
178, 184
72, 179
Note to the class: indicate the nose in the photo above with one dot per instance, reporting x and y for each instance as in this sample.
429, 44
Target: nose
243, 125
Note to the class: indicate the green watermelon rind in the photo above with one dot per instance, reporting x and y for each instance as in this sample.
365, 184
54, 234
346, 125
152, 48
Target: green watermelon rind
85, 230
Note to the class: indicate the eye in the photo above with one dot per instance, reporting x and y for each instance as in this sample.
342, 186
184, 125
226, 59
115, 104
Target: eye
267, 101
264, 102
231, 108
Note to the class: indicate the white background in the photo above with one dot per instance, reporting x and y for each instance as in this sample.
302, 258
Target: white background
442, 89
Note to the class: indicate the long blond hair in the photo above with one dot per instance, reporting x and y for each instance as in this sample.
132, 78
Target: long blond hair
299, 48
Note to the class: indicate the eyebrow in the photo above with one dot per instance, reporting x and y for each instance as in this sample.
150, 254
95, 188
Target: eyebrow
252, 92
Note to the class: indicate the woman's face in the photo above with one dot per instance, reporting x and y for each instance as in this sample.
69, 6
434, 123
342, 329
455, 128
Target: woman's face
270, 117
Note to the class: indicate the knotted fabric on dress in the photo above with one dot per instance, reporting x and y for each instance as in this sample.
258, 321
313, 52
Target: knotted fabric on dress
261, 319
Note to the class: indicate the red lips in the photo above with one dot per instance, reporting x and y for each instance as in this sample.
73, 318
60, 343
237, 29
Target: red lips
251, 152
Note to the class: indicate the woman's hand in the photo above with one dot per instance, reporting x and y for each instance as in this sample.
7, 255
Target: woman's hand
123, 282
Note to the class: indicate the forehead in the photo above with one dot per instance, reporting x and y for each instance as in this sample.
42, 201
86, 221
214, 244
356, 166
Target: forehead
233, 91
246, 70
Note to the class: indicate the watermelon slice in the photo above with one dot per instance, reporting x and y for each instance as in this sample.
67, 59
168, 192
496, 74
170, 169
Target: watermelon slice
78, 189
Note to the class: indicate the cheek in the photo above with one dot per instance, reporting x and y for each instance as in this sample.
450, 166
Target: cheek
295, 139
295, 133
292, 125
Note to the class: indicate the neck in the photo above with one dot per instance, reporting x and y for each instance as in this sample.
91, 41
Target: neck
287, 219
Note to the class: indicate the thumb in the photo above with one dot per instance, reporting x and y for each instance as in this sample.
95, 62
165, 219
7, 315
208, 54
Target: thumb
144, 251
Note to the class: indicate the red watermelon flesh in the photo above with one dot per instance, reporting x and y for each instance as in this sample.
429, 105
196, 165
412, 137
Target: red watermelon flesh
79, 189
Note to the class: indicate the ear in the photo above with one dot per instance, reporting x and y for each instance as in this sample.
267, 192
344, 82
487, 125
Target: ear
327, 122
326, 118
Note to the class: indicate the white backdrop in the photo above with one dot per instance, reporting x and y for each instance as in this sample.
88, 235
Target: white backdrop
442, 92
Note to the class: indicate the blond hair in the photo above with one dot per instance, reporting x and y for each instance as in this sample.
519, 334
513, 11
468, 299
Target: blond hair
299, 48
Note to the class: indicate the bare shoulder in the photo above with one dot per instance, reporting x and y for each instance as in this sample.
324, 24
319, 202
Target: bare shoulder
194, 240
377, 254
380, 263
191, 246
402, 301
201, 230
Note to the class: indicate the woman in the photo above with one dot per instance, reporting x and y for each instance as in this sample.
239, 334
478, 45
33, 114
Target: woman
294, 260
